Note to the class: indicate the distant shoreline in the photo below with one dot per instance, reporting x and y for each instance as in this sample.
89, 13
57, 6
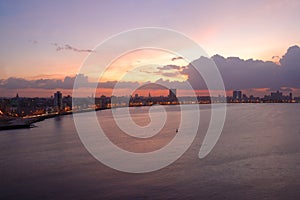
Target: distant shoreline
31, 120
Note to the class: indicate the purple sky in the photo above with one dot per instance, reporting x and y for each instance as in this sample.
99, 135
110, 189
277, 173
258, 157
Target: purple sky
50, 39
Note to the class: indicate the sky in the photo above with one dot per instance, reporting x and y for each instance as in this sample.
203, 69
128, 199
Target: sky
49, 40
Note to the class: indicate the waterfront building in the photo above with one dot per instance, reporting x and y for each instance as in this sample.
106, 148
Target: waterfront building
237, 95
172, 93
58, 103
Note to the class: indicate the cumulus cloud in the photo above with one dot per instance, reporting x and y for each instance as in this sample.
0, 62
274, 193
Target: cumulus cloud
71, 48
246, 74
290, 63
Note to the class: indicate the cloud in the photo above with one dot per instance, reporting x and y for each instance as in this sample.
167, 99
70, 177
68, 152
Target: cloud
169, 67
120, 85
165, 71
71, 48
245, 74
290, 63
33, 41
286, 89
276, 59
177, 58
152, 86
237, 74
66, 83
170, 74
291, 58
172, 84
15, 83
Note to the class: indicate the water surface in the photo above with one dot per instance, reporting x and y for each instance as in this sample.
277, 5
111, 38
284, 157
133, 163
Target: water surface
256, 157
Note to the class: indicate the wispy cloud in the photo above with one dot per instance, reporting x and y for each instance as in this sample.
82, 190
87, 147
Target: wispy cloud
169, 67
166, 71
177, 58
33, 41
71, 48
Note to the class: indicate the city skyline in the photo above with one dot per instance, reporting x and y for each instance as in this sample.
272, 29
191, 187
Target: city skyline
59, 104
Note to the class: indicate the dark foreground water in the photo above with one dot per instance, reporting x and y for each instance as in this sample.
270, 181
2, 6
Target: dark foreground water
256, 157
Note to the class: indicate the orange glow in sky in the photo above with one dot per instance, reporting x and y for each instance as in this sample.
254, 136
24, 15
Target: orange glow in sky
143, 66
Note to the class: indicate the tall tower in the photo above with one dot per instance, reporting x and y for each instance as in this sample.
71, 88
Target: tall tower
237, 94
58, 101
172, 93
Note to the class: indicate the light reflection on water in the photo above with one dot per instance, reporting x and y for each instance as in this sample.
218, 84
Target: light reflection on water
256, 157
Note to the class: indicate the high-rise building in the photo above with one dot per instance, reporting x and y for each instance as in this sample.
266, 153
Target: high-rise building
276, 96
172, 93
58, 101
103, 101
237, 94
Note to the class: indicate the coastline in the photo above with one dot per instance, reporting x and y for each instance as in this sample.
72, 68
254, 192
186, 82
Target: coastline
28, 122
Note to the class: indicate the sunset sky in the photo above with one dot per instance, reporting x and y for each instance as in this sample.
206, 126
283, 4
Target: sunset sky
51, 39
